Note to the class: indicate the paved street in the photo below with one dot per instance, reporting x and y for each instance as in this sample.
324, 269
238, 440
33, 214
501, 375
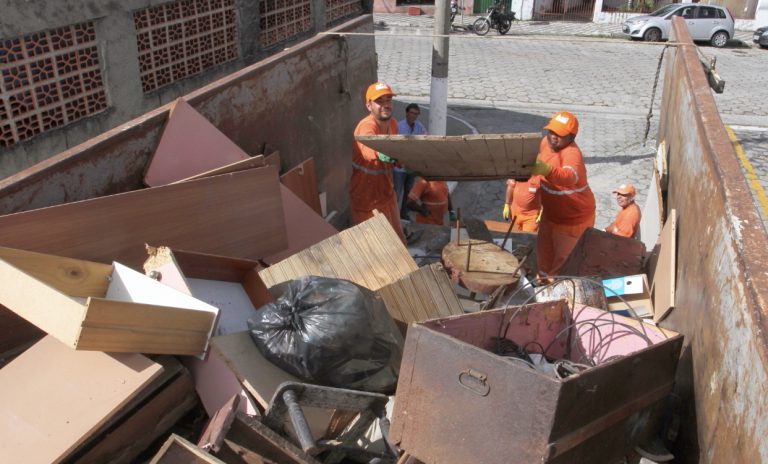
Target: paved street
514, 83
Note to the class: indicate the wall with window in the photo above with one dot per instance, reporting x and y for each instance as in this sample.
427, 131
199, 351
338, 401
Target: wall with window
72, 69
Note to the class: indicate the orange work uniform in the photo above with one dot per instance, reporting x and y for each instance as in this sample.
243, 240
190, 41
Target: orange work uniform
626, 222
525, 202
434, 195
371, 186
569, 206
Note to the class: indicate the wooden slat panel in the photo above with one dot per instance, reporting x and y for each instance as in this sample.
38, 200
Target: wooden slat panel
190, 145
423, 294
484, 156
302, 181
53, 397
369, 254
238, 215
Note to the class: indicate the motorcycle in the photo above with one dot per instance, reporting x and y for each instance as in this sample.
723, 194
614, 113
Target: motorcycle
495, 18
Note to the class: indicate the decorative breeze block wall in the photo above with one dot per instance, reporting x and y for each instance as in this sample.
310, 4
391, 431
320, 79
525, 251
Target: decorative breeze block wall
280, 20
49, 79
184, 38
336, 9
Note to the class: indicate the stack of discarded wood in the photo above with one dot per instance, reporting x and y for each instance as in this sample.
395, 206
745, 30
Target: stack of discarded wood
124, 314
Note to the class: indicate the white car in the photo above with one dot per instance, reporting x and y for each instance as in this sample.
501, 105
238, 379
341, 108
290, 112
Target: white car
705, 22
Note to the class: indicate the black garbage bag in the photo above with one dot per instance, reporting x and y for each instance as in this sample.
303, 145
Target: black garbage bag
330, 332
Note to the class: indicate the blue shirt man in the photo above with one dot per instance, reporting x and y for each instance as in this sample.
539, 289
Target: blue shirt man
401, 180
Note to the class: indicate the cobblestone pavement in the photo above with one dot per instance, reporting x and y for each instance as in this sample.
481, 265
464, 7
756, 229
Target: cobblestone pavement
500, 84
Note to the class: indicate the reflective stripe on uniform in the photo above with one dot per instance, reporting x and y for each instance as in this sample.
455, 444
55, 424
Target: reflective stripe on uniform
573, 170
432, 203
373, 172
563, 192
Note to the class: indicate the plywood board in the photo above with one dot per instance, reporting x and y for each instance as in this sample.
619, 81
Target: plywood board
369, 254
423, 294
461, 157
238, 215
250, 163
652, 217
53, 397
189, 145
304, 226
259, 376
302, 181
604, 255
664, 271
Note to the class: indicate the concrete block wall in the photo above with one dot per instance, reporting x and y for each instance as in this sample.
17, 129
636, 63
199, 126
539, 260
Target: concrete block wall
119, 63
722, 273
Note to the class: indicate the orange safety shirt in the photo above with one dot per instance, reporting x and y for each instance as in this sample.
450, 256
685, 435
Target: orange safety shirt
523, 197
371, 185
434, 195
626, 222
565, 193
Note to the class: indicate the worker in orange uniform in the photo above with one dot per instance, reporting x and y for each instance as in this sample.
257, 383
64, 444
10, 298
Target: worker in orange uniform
567, 201
628, 219
371, 186
522, 202
431, 200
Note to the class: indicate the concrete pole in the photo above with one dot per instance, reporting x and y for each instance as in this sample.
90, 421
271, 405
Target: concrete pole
438, 91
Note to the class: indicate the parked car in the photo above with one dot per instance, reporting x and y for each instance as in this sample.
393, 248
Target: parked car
761, 37
705, 22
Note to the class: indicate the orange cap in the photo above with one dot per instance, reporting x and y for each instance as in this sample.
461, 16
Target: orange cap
376, 90
563, 123
626, 189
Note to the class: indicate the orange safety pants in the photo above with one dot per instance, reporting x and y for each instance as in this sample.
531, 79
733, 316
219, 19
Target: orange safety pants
555, 242
388, 209
526, 222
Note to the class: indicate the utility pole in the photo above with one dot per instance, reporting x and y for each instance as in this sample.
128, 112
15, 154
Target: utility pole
438, 91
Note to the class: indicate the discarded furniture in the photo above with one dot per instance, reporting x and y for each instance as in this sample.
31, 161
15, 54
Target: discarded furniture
480, 266
177, 450
93, 306
663, 268
458, 401
604, 255
302, 181
461, 157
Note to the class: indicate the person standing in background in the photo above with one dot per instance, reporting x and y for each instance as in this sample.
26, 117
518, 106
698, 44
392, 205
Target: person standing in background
403, 181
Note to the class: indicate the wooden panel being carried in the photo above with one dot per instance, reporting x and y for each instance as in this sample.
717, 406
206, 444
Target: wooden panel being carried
131, 313
461, 157
238, 215
53, 397
369, 254
190, 145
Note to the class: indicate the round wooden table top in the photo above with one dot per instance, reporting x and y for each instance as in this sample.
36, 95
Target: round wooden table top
489, 267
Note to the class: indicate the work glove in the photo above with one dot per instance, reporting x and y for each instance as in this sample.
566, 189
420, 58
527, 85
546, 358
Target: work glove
424, 211
451, 215
541, 169
384, 158
505, 213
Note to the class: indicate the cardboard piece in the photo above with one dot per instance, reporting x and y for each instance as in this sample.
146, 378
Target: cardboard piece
90, 306
236, 215
461, 157
189, 145
652, 217
177, 450
53, 397
604, 255
302, 181
369, 254
632, 290
664, 270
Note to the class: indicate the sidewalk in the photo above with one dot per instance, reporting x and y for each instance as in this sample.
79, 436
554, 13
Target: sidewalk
397, 22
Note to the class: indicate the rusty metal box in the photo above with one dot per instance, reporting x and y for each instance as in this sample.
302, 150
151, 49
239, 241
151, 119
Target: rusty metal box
459, 402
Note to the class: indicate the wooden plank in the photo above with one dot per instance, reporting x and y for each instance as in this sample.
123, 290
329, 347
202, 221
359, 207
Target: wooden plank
53, 397
177, 450
302, 181
250, 434
189, 145
147, 417
423, 294
260, 377
200, 265
599, 253
273, 159
462, 157
664, 272
17, 334
368, 254
304, 227
242, 165
236, 215
652, 216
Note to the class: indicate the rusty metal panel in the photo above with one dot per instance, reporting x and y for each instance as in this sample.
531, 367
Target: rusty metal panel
722, 273
458, 402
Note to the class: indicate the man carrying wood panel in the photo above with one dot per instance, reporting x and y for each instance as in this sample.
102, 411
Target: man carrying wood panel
569, 205
371, 186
